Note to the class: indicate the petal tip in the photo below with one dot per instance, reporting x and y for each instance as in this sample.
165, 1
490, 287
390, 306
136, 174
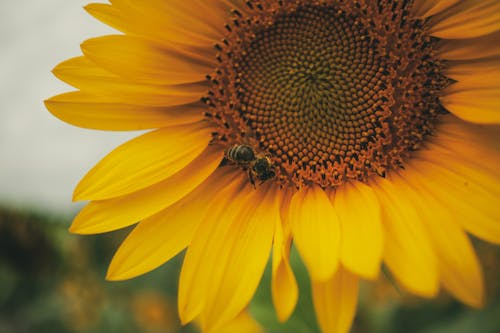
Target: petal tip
112, 275
476, 301
83, 224
183, 316
371, 274
88, 7
88, 45
81, 191
47, 102
77, 195
324, 274
116, 272
76, 228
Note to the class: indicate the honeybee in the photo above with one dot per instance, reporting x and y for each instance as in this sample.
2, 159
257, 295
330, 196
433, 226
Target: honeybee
258, 166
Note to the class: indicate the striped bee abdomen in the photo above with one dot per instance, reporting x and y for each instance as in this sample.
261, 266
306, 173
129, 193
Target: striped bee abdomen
240, 154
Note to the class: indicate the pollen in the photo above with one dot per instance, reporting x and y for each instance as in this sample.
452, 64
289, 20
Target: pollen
329, 91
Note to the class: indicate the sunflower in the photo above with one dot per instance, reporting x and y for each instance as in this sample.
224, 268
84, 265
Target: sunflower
363, 131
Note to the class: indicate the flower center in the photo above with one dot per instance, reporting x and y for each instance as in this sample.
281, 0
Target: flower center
327, 92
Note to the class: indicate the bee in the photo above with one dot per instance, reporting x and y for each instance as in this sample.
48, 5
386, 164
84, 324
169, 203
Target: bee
241, 154
258, 166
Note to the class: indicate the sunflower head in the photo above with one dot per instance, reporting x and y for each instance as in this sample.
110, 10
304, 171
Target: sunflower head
367, 129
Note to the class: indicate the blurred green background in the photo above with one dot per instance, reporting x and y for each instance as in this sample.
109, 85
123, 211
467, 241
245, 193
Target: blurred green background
53, 282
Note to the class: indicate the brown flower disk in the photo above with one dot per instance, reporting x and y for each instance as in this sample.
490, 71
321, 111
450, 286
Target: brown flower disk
329, 91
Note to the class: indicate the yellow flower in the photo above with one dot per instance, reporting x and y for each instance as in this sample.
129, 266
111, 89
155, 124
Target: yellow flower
363, 131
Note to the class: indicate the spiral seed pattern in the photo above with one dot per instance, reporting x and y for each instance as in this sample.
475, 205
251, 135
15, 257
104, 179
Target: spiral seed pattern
322, 89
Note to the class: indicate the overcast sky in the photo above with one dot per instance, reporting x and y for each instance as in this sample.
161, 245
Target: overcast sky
42, 158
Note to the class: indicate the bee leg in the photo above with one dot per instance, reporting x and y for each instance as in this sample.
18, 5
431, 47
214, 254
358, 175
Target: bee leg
250, 177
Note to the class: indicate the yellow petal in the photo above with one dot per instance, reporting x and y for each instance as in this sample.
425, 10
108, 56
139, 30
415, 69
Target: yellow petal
285, 210
206, 14
95, 112
235, 4
109, 15
458, 265
139, 60
475, 74
467, 149
478, 105
242, 258
316, 231
477, 144
475, 96
142, 20
477, 190
408, 250
474, 110
284, 287
194, 22
360, 222
83, 74
202, 254
425, 8
335, 301
160, 237
243, 323
467, 158
112, 214
468, 19
143, 161
472, 48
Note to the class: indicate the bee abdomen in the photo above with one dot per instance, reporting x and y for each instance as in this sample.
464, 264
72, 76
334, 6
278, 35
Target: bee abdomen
240, 154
